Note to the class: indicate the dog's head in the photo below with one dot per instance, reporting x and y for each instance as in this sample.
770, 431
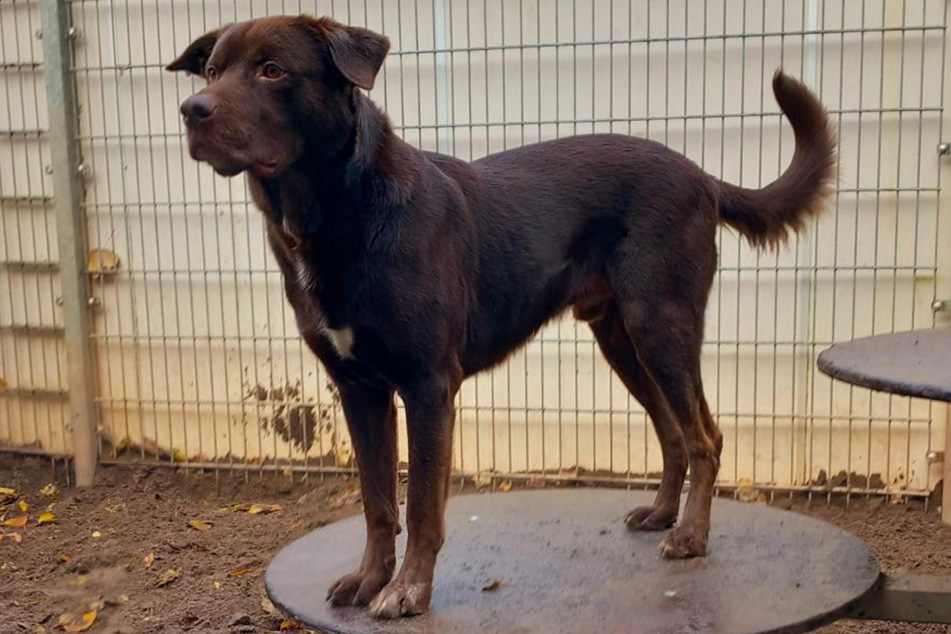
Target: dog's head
278, 88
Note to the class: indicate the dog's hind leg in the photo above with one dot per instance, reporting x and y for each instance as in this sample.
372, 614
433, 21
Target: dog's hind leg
617, 348
667, 339
661, 295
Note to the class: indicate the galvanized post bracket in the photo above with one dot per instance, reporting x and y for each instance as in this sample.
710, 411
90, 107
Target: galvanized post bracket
58, 37
908, 597
946, 461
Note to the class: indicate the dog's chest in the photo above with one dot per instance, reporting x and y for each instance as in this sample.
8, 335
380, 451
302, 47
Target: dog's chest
314, 322
321, 316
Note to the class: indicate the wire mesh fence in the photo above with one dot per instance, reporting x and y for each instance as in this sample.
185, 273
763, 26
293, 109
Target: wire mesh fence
33, 384
198, 356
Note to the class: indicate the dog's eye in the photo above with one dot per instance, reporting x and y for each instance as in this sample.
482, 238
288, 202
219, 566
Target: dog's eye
273, 71
211, 73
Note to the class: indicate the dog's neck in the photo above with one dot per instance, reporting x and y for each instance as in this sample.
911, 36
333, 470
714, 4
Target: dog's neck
372, 173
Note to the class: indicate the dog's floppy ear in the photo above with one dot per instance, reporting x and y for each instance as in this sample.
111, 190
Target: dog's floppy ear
194, 58
357, 53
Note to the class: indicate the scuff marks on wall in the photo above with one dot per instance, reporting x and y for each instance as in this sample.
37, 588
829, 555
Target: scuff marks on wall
292, 418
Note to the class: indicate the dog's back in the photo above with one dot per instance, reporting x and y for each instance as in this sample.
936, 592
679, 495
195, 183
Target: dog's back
550, 217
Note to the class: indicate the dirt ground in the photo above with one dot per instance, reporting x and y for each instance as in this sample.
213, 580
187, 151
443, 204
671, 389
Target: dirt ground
108, 551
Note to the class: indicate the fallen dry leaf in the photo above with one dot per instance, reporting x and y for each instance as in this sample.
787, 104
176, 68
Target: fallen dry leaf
100, 260
267, 605
240, 572
17, 537
178, 455
45, 518
200, 525
745, 491
289, 626
346, 498
168, 577
506, 486
17, 522
69, 623
96, 534
79, 581
264, 509
151, 448
65, 559
482, 480
7, 495
23, 506
148, 560
50, 491
217, 584
491, 585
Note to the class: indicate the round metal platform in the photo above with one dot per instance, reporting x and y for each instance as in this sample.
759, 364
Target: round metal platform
912, 363
566, 563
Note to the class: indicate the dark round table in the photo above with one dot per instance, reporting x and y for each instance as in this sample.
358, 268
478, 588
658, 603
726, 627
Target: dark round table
565, 563
916, 363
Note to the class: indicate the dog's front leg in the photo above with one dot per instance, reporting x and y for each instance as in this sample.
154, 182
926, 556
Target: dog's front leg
429, 414
371, 418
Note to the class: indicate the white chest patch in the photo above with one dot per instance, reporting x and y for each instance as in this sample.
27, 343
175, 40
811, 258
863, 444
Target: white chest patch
342, 340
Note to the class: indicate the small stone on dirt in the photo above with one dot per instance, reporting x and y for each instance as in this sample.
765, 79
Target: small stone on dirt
240, 619
491, 585
783, 502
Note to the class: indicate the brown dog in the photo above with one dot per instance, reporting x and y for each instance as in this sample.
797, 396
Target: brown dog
410, 271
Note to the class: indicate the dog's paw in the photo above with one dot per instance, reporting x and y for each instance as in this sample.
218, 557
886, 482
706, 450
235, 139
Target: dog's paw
650, 518
400, 599
685, 541
357, 588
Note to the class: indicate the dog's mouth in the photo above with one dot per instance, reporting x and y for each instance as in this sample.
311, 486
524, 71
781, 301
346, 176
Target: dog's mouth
266, 168
230, 157
221, 162
233, 163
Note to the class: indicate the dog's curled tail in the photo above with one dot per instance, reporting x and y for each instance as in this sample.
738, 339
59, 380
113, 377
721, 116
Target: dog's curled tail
765, 216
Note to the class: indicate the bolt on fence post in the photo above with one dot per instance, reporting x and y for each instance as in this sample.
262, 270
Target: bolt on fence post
71, 235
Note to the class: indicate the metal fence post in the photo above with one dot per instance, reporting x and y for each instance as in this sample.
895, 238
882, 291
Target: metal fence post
71, 235
946, 501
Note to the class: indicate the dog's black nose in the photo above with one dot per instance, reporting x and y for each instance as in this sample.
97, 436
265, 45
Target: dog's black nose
197, 108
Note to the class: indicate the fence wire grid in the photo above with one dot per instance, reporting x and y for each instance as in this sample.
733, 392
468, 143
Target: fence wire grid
197, 357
